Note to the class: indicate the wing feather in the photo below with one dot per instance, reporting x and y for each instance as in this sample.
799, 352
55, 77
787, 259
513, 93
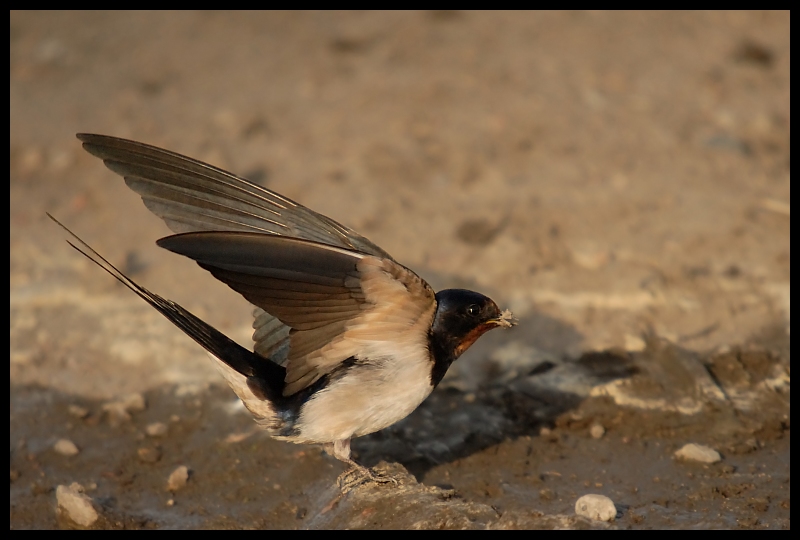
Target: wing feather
193, 196
348, 304
323, 292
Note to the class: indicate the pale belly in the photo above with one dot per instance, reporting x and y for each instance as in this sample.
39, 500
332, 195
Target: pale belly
364, 402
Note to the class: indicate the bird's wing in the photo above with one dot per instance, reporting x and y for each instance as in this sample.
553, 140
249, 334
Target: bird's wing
338, 303
192, 196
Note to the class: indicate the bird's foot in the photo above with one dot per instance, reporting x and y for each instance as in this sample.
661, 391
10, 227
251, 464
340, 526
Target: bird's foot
358, 474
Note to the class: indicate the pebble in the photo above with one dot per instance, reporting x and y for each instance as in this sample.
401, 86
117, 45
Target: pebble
77, 411
148, 455
119, 410
597, 431
178, 478
634, 343
598, 507
156, 429
75, 505
133, 402
65, 447
698, 452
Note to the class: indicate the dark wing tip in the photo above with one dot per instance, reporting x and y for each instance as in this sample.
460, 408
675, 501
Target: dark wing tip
99, 145
95, 137
95, 140
90, 138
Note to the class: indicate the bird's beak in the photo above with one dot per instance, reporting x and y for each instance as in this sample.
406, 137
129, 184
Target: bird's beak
505, 320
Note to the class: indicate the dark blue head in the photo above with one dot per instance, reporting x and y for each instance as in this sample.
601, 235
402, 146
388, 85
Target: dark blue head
462, 317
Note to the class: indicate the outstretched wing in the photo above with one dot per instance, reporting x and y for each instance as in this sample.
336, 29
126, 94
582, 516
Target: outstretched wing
191, 196
338, 303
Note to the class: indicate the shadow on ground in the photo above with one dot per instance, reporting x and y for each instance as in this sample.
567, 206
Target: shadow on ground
508, 455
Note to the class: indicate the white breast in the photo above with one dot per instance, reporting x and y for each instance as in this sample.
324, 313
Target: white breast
368, 398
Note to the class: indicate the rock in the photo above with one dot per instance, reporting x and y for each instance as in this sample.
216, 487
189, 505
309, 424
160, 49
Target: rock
407, 504
77, 411
119, 410
75, 505
133, 402
597, 431
148, 454
65, 447
178, 478
597, 507
634, 343
156, 429
698, 452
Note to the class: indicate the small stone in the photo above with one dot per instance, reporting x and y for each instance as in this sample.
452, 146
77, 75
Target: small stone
156, 429
597, 507
75, 505
133, 402
119, 410
65, 447
597, 431
634, 343
77, 411
698, 452
148, 455
178, 478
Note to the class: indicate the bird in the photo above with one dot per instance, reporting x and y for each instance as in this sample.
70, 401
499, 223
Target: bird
347, 341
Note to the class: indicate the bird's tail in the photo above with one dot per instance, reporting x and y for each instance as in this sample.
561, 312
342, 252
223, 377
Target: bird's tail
260, 379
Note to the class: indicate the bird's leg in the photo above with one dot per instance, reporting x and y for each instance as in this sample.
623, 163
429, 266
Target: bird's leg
357, 474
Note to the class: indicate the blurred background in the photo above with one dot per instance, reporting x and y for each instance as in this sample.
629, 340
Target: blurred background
607, 176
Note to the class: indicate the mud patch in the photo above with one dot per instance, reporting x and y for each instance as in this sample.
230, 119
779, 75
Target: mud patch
503, 457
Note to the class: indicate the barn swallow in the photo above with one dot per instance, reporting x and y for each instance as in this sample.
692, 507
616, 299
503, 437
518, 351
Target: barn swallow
347, 340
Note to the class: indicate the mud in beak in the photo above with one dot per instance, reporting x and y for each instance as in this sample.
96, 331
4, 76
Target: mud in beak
505, 320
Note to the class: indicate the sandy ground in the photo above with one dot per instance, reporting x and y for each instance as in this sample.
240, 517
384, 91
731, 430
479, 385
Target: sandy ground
620, 180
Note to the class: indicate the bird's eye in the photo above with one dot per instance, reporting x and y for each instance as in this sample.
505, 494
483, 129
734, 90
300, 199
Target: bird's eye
473, 310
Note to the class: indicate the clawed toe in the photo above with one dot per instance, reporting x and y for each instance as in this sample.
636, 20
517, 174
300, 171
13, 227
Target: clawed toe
358, 475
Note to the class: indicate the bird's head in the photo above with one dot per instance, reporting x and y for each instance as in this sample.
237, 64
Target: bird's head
462, 317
